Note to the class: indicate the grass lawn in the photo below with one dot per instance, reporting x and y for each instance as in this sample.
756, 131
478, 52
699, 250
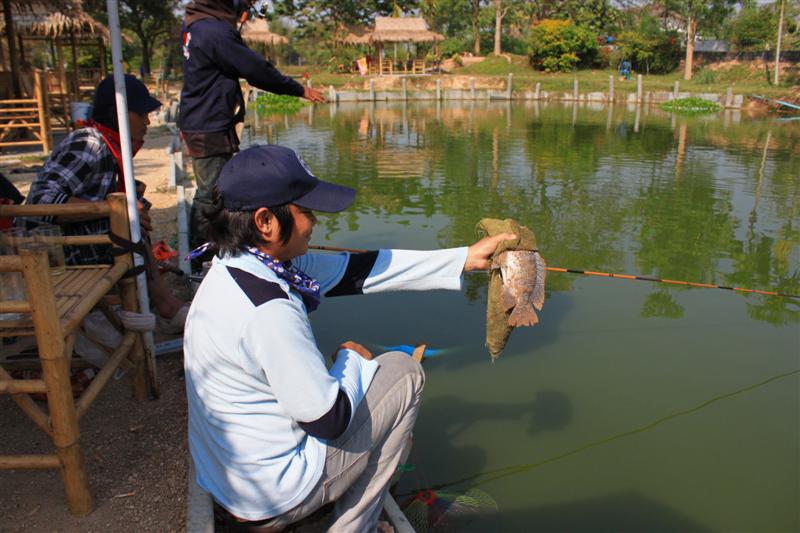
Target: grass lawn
745, 79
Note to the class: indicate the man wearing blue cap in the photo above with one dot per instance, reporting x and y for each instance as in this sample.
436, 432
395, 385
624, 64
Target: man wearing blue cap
86, 167
212, 104
274, 433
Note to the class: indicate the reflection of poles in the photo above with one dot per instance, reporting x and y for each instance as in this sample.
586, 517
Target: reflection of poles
574, 112
638, 118
495, 159
609, 116
310, 116
761, 168
680, 157
508, 114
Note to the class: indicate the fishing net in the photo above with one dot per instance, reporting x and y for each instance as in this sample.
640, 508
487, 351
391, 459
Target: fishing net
438, 511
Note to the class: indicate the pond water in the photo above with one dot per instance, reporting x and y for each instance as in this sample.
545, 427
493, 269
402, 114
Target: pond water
632, 406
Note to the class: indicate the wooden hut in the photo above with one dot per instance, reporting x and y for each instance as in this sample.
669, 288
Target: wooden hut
56, 24
407, 30
257, 32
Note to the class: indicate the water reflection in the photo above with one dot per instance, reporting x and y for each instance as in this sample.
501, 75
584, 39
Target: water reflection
604, 188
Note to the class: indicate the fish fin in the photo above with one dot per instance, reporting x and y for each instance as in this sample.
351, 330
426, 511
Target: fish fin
507, 299
499, 261
523, 315
539, 281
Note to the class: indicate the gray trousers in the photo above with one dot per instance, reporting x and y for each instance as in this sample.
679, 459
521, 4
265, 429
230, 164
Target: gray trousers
206, 171
359, 464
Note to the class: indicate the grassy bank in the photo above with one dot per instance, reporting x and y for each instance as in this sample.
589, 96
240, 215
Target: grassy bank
744, 78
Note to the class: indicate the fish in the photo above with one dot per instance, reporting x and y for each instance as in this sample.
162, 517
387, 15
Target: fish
523, 274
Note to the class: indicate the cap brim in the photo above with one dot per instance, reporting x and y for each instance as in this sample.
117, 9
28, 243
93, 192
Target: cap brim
149, 105
327, 197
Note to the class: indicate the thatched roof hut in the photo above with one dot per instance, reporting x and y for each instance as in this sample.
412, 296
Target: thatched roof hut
257, 31
393, 30
403, 30
44, 19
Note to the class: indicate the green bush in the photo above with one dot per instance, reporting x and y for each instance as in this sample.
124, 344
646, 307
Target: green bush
560, 45
655, 53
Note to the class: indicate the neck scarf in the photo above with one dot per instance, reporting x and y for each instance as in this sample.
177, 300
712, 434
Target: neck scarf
111, 138
296, 278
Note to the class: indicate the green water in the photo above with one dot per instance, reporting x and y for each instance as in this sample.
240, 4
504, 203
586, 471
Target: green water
632, 406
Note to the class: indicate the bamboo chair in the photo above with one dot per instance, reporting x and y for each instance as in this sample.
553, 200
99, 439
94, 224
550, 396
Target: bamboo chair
57, 306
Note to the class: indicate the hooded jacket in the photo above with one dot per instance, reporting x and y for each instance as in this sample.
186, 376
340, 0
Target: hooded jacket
215, 58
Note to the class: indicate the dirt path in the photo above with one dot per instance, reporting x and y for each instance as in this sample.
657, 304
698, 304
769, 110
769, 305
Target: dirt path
135, 452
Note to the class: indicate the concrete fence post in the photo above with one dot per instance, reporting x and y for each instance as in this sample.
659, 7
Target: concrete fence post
331, 94
639, 88
438, 90
729, 97
372, 90
611, 88
676, 89
537, 91
472, 88
575, 90
510, 86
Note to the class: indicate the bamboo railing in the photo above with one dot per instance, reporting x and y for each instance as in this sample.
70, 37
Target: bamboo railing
27, 114
57, 304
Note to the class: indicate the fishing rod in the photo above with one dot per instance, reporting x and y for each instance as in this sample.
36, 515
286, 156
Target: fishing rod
611, 275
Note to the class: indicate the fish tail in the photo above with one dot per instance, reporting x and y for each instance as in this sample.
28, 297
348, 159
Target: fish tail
523, 315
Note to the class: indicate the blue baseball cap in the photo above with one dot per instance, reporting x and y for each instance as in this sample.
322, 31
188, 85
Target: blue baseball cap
269, 176
139, 99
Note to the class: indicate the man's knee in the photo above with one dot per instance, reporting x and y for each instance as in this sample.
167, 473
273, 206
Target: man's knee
399, 364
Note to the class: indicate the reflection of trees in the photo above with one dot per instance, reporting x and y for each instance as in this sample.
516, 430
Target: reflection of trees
593, 191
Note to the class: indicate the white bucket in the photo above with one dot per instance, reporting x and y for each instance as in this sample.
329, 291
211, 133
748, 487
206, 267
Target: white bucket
80, 111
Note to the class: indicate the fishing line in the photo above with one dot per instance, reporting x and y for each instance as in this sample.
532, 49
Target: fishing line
614, 275
481, 478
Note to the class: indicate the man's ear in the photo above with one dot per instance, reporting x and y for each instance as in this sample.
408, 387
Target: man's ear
266, 223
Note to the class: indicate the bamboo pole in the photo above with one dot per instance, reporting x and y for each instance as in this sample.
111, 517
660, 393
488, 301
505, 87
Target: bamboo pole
41, 462
101, 379
40, 91
145, 378
38, 210
29, 407
22, 386
15, 306
10, 263
55, 369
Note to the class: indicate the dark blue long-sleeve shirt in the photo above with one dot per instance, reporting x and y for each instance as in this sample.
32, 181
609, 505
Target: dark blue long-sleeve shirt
215, 58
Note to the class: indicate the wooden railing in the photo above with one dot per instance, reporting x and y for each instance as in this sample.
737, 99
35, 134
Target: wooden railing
18, 115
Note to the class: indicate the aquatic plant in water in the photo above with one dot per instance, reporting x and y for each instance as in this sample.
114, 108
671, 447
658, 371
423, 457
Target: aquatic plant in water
278, 103
690, 106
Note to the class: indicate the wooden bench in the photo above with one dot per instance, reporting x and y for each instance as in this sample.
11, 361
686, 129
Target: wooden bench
54, 308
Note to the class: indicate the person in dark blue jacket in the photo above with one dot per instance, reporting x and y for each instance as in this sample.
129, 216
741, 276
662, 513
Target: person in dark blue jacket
212, 104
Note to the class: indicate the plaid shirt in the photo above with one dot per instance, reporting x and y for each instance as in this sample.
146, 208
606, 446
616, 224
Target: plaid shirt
82, 166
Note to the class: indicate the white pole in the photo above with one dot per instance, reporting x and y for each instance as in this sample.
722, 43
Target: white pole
127, 168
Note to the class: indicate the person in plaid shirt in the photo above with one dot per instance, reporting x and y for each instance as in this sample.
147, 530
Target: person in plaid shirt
86, 167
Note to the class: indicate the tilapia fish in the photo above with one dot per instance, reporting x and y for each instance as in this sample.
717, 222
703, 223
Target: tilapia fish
523, 273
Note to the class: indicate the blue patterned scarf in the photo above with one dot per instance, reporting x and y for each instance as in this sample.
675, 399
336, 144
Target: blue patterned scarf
299, 280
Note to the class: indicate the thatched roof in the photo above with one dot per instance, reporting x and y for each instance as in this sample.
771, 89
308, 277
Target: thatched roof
47, 19
403, 30
257, 31
394, 30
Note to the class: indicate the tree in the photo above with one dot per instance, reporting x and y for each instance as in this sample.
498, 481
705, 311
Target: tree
696, 14
752, 28
476, 27
499, 13
149, 20
778, 46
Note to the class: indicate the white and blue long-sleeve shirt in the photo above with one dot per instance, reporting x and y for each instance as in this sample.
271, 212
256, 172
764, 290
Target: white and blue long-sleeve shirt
261, 399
